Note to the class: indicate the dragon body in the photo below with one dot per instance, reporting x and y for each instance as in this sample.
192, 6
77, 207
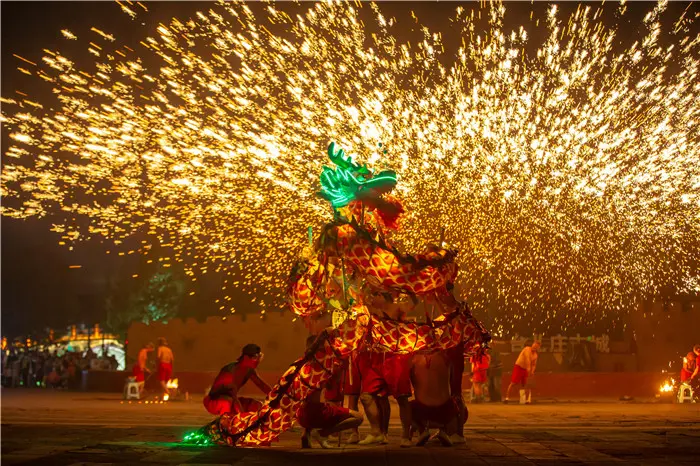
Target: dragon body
351, 261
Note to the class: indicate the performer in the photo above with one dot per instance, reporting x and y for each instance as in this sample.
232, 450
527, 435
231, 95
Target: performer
165, 363
223, 395
524, 366
455, 356
434, 404
689, 367
387, 374
318, 419
140, 368
480, 367
352, 389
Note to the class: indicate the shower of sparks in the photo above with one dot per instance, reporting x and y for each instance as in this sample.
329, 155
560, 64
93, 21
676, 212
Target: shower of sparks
566, 172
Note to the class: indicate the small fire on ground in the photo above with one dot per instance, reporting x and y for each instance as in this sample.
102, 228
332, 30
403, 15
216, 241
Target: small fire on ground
667, 387
170, 385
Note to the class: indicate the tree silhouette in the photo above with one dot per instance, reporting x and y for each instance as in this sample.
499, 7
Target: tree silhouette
159, 298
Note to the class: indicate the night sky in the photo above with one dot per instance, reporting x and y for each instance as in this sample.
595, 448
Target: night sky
39, 290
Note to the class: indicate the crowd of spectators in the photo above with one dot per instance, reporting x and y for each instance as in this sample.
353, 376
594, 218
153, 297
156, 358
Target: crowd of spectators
35, 368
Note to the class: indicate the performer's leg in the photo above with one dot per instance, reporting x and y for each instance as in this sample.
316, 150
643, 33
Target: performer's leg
461, 417
478, 390
369, 403
353, 402
405, 415
510, 386
352, 422
353, 405
385, 413
419, 422
306, 439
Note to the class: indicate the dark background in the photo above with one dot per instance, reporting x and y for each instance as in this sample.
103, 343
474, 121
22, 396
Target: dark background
39, 290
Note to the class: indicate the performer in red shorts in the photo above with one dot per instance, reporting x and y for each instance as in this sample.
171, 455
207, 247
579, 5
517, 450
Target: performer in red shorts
140, 368
455, 356
524, 367
352, 389
480, 367
385, 374
689, 366
223, 395
318, 419
165, 364
434, 405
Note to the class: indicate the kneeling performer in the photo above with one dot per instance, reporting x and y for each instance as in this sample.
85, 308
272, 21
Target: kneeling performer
223, 395
433, 405
318, 419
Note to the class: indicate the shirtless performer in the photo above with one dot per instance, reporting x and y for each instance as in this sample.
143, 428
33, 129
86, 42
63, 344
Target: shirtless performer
140, 368
689, 367
480, 366
165, 364
455, 356
433, 405
223, 395
524, 367
318, 419
385, 374
351, 387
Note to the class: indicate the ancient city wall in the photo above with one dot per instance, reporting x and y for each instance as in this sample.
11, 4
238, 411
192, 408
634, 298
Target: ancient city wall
209, 345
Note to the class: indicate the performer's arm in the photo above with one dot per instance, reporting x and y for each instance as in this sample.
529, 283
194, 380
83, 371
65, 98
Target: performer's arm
233, 392
264, 387
533, 364
142, 363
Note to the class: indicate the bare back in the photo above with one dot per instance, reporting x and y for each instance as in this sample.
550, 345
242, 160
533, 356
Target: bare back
430, 375
143, 358
165, 355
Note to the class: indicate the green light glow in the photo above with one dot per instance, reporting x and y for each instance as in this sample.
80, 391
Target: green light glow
197, 438
348, 180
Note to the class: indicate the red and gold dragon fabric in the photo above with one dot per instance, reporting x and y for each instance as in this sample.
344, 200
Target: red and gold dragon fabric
350, 261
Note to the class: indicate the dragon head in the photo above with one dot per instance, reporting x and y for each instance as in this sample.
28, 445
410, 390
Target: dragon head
350, 188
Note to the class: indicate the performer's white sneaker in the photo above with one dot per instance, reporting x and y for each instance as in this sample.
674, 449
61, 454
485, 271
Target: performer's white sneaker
406, 443
444, 438
323, 441
423, 438
385, 440
354, 438
456, 438
371, 439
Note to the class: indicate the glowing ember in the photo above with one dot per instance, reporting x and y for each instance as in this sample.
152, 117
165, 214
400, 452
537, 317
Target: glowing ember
667, 386
166, 397
564, 168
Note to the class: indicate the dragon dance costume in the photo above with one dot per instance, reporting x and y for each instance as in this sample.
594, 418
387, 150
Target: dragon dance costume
349, 261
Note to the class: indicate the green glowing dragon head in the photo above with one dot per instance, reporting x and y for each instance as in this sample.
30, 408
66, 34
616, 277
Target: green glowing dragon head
352, 182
